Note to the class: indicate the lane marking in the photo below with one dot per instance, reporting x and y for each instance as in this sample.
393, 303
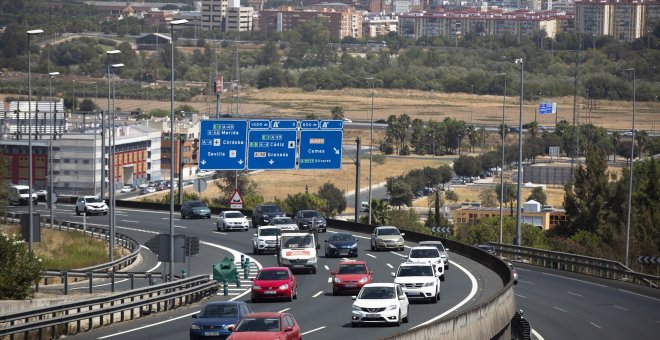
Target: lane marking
473, 292
284, 310
575, 294
526, 282
138, 230
522, 296
578, 280
397, 254
330, 279
622, 308
537, 335
595, 325
182, 227
313, 330
389, 265
326, 267
642, 295
371, 256
559, 309
130, 221
317, 294
219, 232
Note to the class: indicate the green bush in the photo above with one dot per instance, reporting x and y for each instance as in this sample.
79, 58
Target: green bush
20, 268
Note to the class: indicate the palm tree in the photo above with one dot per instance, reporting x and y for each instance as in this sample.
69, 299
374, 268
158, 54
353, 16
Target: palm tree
533, 129
337, 112
641, 137
472, 136
616, 138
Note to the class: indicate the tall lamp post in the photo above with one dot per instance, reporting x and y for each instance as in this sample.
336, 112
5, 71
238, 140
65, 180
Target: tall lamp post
522, 72
371, 141
502, 166
51, 195
171, 264
630, 177
30, 33
107, 61
111, 181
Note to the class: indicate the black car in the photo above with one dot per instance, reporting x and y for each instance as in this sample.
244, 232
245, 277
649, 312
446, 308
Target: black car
487, 248
195, 209
304, 219
341, 244
263, 213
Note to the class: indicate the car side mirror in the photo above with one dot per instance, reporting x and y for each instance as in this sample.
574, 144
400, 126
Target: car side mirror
326, 241
288, 329
194, 316
402, 297
353, 297
318, 246
251, 279
403, 234
446, 249
371, 273
231, 328
393, 274
255, 234
333, 273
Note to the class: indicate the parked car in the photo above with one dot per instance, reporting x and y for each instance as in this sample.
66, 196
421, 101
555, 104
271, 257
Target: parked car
42, 195
266, 325
126, 188
346, 120
514, 273
213, 320
350, 276
195, 209
304, 219
428, 255
284, 223
91, 205
231, 220
147, 190
341, 244
444, 252
419, 280
487, 248
380, 303
265, 239
387, 237
263, 213
274, 283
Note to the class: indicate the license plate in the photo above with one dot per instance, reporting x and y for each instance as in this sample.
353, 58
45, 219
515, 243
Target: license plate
270, 292
212, 333
372, 315
351, 285
298, 266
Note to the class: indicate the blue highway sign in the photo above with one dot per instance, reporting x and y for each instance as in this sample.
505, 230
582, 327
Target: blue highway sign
222, 144
273, 148
546, 108
320, 145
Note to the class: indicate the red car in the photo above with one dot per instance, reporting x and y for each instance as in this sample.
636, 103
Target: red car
350, 277
267, 325
274, 283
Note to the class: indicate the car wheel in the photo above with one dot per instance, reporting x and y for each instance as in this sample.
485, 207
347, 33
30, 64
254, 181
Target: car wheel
314, 270
254, 299
105, 213
295, 296
224, 227
442, 278
401, 249
405, 320
290, 299
398, 321
183, 217
373, 248
255, 250
77, 212
335, 292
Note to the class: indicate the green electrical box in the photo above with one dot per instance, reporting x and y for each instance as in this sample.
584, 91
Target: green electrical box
225, 270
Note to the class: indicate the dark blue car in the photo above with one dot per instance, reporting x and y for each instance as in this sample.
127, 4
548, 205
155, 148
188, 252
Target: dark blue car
215, 317
341, 244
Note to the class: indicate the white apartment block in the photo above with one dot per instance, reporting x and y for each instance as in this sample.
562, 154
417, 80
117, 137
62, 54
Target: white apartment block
625, 20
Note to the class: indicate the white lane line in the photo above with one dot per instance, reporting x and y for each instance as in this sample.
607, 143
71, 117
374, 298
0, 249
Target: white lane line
284, 310
330, 279
397, 254
219, 232
235, 253
537, 335
622, 308
526, 282
129, 221
313, 330
522, 296
371, 256
178, 226
326, 267
559, 309
642, 295
389, 265
317, 294
570, 278
574, 294
138, 230
473, 292
595, 325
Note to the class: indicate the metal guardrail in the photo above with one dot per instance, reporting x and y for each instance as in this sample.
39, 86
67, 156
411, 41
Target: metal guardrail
72, 318
593, 266
520, 327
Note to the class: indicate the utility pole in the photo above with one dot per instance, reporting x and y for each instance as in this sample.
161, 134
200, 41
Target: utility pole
357, 180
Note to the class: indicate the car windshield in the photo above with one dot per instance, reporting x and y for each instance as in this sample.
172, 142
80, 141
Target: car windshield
23, 191
373, 293
267, 275
415, 271
270, 208
311, 213
435, 244
486, 247
389, 231
299, 242
233, 215
285, 220
352, 269
342, 237
424, 253
93, 200
259, 325
196, 204
219, 311
268, 232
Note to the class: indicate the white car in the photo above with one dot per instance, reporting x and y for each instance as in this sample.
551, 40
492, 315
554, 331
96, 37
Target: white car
346, 120
265, 239
126, 188
232, 219
444, 252
428, 254
91, 205
380, 303
418, 280
284, 223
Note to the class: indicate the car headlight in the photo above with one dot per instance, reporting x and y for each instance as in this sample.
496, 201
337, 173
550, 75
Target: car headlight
312, 260
256, 288
283, 260
354, 246
193, 326
331, 245
284, 286
428, 284
392, 307
364, 279
337, 280
356, 308
400, 240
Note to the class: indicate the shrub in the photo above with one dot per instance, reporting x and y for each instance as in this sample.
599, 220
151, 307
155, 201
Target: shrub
20, 268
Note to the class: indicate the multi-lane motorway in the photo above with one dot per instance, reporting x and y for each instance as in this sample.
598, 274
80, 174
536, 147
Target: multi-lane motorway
558, 305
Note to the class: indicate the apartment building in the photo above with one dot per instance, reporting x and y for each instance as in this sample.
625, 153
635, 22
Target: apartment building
625, 20
342, 20
375, 25
533, 213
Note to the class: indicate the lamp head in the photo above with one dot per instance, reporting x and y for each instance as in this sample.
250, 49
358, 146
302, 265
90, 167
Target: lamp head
33, 32
519, 61
53, 74
113, 52
178, 22
117, 65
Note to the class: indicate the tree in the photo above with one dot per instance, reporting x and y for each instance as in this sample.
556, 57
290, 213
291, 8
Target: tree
380, 213
336, 201
401, 193
88, 105
488, 198
303, 201
227, 185
538, 195
451, 195
467, 166
21, 269
510, 194
337, 112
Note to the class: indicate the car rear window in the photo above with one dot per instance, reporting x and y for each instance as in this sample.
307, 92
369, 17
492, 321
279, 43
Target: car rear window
424, 253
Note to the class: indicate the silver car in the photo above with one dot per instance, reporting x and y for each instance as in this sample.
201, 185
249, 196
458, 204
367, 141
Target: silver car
444, 252
387, 237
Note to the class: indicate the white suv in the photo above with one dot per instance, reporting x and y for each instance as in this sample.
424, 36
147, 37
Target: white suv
265, 239
91, 205
380, 303
428, 254
418, 280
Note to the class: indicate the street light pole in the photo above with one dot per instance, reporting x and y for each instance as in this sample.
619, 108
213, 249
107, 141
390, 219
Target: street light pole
502, 166
107, 61
371, 141
520, 170
172, 150
630, 177
111, 182
50, 196
30, 33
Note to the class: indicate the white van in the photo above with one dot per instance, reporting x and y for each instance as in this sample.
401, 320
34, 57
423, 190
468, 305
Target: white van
297, 250
18, 195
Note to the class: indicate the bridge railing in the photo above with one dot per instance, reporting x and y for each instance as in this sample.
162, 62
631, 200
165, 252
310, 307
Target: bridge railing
72, 318
576, 263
